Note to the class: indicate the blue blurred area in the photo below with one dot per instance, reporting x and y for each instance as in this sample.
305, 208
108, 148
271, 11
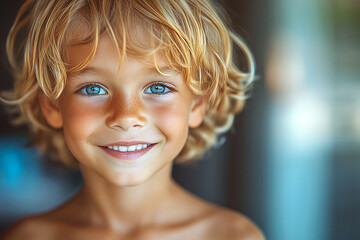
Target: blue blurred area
312, 76
298, 182
28, 184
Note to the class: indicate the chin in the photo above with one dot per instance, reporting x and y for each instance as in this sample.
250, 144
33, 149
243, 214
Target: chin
128, 179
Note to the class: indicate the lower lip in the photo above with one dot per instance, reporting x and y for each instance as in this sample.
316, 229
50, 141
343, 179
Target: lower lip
128, 155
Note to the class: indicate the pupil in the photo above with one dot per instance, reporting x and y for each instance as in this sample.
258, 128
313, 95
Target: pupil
93, 89
158, 88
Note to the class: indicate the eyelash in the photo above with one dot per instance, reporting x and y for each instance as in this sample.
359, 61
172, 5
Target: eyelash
83, 89
168, 89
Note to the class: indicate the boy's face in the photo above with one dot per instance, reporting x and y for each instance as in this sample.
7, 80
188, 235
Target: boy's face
141, 114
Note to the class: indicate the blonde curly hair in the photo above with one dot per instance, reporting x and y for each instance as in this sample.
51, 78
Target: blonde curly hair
189, 32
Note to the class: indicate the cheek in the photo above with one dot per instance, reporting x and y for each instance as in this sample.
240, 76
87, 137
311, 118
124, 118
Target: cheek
79, 119
172, 118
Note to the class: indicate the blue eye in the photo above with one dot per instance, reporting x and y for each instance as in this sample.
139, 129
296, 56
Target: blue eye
157, 89
92, 89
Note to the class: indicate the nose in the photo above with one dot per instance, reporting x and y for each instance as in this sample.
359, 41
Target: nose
126, 112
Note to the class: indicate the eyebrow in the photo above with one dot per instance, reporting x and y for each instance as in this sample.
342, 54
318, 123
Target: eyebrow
162, 70
89, 69
153, 70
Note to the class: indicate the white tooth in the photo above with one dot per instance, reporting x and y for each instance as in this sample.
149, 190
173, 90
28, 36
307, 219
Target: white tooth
139, 147
144, 146
110, 147
116, 148
132, 148
123, 149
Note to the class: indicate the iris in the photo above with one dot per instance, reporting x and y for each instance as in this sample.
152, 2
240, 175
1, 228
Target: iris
157, 89
93, 90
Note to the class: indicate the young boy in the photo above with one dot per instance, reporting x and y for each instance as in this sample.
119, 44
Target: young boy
122, 89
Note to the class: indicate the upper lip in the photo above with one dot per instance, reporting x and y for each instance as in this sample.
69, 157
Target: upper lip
123, 143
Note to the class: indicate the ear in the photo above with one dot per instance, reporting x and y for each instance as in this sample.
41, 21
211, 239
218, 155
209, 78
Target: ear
50, 111
198, 110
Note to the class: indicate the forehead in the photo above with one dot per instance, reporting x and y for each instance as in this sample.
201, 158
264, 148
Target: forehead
134, 31
84, 46
107, 60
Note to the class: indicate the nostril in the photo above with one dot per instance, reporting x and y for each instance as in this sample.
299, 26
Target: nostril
126, 122
126, 112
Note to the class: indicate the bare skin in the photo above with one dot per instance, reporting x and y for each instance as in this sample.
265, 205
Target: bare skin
176, 215
128, 196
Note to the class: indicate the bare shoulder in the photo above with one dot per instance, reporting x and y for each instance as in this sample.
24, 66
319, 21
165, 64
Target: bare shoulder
215, 222
29, 228
228, 224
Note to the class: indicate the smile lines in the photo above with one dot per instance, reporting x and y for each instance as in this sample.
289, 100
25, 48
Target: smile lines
129, 148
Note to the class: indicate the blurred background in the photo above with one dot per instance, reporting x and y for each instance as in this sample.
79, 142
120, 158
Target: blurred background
292, 161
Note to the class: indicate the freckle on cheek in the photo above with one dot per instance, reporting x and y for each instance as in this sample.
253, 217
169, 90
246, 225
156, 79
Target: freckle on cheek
169, 116
79, 116
169, 110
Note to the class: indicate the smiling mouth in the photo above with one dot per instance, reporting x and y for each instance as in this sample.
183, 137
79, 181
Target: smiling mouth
131, 148
128, 151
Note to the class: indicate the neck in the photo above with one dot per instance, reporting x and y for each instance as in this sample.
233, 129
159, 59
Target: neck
117, 207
